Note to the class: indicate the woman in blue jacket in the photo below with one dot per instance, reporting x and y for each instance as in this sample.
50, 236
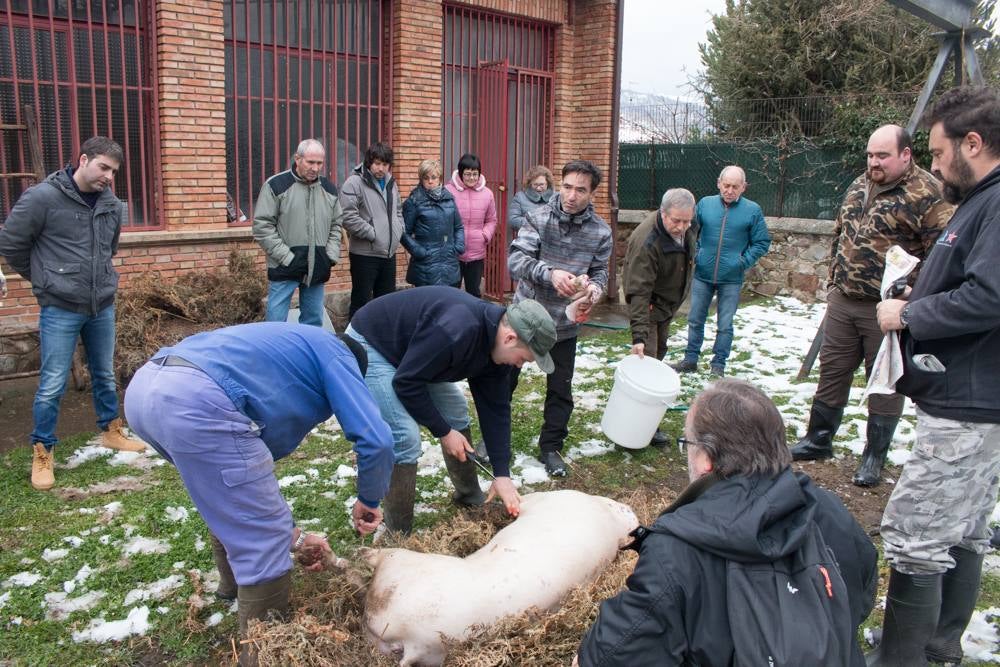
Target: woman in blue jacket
433, 234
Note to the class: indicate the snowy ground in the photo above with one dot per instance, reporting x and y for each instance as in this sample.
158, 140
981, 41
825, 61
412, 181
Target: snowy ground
64, 579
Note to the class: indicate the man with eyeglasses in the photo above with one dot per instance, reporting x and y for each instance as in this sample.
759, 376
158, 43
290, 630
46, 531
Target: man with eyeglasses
659, 265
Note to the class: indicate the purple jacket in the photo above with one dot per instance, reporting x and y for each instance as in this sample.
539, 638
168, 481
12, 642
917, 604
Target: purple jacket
479, 215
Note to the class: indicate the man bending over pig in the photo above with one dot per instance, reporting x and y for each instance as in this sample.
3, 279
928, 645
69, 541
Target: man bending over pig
422, 341
222, 406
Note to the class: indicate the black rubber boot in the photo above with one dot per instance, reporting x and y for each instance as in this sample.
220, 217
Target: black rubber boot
397, 506
261, 602
880, 431
818, 443
464, 477
227, 582
959, 592
912, 606
660, 440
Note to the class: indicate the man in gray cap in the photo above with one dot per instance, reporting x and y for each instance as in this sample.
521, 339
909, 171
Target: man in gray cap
420, 342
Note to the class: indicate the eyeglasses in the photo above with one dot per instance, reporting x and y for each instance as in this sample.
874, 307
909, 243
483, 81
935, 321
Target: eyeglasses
682, 443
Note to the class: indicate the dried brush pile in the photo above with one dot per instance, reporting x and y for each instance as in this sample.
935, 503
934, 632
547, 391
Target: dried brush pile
327, 629
152, 313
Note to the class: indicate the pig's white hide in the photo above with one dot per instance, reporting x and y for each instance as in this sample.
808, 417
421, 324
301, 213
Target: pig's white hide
561, 539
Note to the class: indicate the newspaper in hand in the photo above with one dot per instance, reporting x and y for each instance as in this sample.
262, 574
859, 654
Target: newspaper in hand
888, 366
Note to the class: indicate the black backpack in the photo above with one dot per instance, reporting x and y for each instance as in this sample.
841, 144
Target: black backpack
792, 612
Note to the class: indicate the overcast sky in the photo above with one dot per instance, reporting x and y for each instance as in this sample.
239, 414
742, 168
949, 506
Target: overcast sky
660, 45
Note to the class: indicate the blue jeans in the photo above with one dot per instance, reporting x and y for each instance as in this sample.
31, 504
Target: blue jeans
59, 330
225, 466
701, 298
279, 297
446, 396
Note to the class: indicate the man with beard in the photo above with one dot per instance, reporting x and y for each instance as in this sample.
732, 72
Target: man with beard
935, 529
894, 202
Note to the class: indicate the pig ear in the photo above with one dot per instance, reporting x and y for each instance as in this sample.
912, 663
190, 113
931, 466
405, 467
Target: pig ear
372, 556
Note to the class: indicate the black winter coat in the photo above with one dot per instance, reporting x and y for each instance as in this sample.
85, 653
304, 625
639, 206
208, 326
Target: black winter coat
674, 611
434, 237
64, 247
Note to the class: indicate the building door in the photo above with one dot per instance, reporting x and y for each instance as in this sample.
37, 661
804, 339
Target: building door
496, 98
492, 149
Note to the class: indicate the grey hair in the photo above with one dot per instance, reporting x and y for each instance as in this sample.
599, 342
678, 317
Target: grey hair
737, 169
676, 198
740, 429
307, 144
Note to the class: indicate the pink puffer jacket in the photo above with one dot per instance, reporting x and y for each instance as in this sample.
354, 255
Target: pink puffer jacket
479, 215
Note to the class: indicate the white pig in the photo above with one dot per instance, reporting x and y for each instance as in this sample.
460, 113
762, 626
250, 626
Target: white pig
561, 539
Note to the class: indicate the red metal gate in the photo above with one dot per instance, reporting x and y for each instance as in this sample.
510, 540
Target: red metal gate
86, 68
491, 146
496, 99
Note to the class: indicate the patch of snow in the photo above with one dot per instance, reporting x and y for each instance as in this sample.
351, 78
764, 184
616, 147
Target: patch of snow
111, 510
156, 590
199, 543
51, 555
979, 643
291, 479
73, 541
86, 453
176, 514
214, 619
3, 598
100, 631
145, 545
60, 605
345, 471
529, 470
23, 579
588, 448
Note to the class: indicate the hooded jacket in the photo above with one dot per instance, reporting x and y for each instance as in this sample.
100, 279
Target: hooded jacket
524, 201
674, 611
479, 215
298, 226
373, 218
553, 239
62, 246
731, 238
955, 314
434, 237
657, 274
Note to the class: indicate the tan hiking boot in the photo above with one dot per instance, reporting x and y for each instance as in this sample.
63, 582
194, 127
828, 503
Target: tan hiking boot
115, 438
42, 477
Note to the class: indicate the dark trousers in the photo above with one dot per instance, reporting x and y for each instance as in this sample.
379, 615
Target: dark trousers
558, 396
659, 333
850, 336
472, 275
371, 277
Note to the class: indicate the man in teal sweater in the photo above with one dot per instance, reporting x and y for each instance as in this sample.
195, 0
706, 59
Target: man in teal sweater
732, 236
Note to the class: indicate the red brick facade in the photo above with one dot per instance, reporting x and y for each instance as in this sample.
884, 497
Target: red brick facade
190, 62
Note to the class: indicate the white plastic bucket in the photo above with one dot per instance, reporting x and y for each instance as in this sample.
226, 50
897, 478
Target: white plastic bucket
643, 389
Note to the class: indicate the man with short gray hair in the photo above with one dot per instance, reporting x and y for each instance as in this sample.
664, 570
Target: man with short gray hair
659, 266
297, 221
732, 236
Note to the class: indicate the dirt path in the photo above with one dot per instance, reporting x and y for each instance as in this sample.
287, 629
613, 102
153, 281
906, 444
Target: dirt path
16, 396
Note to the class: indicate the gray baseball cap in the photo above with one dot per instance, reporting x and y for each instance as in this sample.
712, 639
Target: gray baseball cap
535, 328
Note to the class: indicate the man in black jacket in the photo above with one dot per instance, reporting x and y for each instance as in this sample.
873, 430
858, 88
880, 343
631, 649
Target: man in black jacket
60, 236
936, 526
422, 341
744, 507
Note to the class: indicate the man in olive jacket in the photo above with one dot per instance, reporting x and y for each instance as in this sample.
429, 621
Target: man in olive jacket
373, 217
60, 236
297, 222
659, 265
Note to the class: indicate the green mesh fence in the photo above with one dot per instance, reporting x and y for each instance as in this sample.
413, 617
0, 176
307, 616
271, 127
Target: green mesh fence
797, 180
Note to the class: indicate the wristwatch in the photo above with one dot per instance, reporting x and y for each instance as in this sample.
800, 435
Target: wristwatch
299, 541
904, 316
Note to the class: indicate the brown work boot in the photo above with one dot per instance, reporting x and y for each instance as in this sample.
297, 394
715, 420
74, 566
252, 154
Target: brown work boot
114, 438
42, 477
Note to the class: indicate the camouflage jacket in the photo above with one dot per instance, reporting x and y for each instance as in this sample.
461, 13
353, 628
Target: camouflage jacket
908, 212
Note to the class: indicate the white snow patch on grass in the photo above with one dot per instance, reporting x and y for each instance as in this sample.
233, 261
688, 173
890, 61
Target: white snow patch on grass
145, 545
587, 448
345, 471
86, 453
60, 605
22, 579
980, 640
156, 590
291, 479
52, 555
100, 631
177, 514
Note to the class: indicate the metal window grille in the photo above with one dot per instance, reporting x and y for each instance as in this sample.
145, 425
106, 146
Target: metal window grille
496, 99
85, 68
299, 69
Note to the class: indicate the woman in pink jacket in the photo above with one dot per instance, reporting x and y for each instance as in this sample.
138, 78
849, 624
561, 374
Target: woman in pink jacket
479, 218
